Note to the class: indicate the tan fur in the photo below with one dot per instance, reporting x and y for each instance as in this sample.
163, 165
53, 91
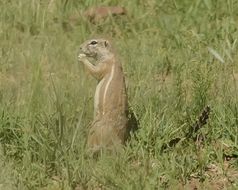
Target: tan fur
110, 125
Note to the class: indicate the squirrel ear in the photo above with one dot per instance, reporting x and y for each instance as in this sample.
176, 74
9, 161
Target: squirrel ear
106, 43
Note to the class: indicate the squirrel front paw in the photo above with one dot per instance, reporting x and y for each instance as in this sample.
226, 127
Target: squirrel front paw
81, 57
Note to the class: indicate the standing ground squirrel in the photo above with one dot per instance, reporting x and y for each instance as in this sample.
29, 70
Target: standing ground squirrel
110, 126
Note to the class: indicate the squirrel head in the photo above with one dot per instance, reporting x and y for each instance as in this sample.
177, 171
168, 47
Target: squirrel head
96, 48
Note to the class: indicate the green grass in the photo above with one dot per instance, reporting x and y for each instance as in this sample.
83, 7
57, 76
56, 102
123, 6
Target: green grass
46, 98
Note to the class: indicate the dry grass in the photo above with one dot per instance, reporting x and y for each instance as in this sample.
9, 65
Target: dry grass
178, 56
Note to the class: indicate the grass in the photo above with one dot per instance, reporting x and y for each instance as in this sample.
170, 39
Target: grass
178, 56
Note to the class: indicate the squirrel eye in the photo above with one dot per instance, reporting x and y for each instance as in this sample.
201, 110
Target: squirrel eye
93, 42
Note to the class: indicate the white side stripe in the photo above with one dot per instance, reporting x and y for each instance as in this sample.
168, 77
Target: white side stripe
97, 96
107, 85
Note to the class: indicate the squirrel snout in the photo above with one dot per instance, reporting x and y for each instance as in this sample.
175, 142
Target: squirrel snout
81, 50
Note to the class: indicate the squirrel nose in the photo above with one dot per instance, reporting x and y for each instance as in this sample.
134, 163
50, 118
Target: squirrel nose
80, 49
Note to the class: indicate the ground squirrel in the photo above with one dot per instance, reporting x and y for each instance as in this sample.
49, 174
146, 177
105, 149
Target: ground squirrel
110, 126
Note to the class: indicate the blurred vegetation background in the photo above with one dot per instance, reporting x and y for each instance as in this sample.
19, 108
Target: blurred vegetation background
178, 57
